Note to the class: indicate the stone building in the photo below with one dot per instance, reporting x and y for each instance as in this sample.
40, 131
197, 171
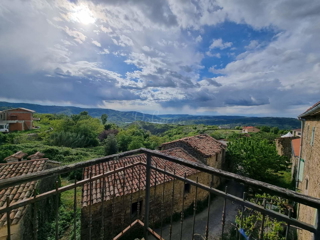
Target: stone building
21, 219
284, 146
308, 179
16, 157
113, 203
19, 119
203, 147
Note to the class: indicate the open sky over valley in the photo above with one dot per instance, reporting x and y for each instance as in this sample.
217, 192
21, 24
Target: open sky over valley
223, 57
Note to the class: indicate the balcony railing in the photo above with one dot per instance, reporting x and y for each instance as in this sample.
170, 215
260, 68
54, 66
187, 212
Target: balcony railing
155, 200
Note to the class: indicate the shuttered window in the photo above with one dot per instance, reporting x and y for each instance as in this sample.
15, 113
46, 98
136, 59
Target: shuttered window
301, 169
312, 136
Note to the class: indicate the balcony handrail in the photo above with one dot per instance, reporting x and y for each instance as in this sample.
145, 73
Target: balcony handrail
5, 183
289, 194
266, 187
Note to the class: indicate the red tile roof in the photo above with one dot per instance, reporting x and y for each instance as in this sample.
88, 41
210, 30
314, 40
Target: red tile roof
204, 144
37, 155
18, 192
313, 107
296, 146
131, 176
18, 155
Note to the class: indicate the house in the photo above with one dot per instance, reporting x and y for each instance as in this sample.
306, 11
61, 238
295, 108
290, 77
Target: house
202, 147
21, 218
250, 129
18, 119
119, 199
296, 132
308, 177
16, 157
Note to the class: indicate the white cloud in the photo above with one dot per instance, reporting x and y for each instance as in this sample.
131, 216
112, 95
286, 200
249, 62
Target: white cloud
198, 39
218, 43
253, 44
161, 45
96, 43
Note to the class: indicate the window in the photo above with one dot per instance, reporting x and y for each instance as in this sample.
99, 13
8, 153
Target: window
307, 182
13, 117
312, 136
301, 169
134, 208
187, 188
1, 127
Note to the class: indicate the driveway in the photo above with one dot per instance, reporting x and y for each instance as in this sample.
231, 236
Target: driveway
201, 218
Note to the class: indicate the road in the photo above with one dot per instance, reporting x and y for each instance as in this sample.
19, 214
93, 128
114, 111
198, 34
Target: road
215, 225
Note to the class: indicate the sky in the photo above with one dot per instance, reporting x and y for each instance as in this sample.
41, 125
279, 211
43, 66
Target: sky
218, 57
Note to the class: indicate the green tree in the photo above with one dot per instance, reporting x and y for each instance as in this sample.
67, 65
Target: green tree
104, 119
110, 145
274, 130
256, 159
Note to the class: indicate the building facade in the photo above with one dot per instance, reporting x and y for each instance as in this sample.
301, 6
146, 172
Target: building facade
19, 119
308, 177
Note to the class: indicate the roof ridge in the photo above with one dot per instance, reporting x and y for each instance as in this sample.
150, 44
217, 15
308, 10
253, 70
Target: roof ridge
40, 159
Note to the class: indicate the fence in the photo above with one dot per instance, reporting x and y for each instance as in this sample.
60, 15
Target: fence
149, 190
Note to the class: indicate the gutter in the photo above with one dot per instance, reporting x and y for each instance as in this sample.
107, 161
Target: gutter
301, 141
312, 110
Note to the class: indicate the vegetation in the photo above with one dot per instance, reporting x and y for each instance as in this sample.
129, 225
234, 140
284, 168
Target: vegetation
78, 137
255, 157
120, 118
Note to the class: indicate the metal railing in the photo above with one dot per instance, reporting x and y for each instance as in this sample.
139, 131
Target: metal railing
113, 224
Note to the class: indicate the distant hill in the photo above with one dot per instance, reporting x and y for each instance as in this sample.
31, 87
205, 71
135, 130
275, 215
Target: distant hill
184, 119
113, 115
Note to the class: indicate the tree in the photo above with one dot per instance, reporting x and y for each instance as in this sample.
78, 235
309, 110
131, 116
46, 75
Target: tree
251, 221
274, 130
104, 119
110, 145
255, 158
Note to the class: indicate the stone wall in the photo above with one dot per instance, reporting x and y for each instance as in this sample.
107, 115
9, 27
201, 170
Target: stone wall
311, 177
284, 147
118, 215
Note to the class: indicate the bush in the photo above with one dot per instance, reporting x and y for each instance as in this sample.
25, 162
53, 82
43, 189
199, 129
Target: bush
73, 140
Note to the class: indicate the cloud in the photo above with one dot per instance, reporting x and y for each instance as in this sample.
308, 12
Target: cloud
218, 43
96, 43
261, 57
198, 39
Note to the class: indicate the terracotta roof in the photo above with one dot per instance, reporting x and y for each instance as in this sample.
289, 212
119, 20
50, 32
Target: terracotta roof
249, 127
203, 143
20, 108
37, 155
130, 177
296, 146
311, 110
297, 130
18, 155
18, 192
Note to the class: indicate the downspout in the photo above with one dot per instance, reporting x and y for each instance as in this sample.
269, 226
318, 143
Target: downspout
301, 140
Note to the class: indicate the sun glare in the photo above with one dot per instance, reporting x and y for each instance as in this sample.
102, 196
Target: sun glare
82, 14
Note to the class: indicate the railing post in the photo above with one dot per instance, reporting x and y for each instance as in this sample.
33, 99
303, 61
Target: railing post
317, 225
147, 199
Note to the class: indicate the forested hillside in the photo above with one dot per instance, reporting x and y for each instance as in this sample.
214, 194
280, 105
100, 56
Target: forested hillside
122, 117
